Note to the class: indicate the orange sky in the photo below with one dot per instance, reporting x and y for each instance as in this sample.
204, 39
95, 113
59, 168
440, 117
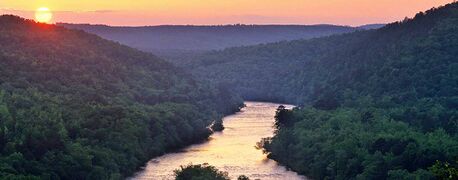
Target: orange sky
156, 12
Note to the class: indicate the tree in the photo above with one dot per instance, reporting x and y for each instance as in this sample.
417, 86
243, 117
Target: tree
445, 170
243, 177
200, 172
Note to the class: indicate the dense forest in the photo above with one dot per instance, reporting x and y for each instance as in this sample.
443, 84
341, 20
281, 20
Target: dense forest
76, 106
375, 104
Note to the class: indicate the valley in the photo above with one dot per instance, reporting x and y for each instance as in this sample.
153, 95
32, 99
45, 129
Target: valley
187, 102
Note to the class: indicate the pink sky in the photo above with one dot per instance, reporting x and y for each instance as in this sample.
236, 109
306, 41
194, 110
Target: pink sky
206, 12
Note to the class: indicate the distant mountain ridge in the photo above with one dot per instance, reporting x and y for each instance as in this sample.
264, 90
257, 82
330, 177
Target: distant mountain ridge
203, 38
371, 26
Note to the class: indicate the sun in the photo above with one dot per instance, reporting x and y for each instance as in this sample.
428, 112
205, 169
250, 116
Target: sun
43, 15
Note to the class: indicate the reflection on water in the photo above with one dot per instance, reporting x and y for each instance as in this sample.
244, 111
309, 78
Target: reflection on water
232, 150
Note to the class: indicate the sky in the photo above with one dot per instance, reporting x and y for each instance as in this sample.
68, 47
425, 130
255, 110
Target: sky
215, 12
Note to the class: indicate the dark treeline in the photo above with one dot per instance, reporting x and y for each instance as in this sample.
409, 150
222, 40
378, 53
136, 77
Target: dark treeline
376, 104
174, 38
75, 106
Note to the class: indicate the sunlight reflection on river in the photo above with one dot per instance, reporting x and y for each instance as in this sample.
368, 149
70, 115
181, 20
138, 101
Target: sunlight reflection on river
232, 151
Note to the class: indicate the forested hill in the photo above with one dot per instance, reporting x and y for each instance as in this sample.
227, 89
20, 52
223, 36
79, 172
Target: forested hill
412, 56
203, 38
377, 104
76, 106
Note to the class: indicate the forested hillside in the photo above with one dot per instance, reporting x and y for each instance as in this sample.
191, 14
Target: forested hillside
76, 106
202, 38
376, 104
301, 71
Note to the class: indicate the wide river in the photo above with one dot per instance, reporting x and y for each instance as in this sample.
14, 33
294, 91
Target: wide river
232, 150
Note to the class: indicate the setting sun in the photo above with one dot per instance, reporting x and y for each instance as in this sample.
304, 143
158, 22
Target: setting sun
43, 15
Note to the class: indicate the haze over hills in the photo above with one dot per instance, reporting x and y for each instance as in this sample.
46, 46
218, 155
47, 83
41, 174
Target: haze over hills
378, 104
372, 102
76, 106
371, 26
203, 38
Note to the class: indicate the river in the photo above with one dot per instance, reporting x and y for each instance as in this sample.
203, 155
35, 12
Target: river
232, 150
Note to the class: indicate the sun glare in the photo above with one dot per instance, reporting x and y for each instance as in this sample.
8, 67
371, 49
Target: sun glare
43, 15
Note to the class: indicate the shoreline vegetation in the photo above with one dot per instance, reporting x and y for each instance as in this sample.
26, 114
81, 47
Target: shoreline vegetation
378, 125
203, 172
76, 106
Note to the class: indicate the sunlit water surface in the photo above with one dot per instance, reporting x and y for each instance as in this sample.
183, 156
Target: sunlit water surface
232, 150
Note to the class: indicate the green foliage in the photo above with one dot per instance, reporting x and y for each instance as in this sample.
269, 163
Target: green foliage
340, 144
203, 172
75, 106
200, 172
403, 61
377, 104
445, 170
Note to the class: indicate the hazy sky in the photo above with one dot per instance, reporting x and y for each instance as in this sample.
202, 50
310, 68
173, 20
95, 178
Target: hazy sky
155, 12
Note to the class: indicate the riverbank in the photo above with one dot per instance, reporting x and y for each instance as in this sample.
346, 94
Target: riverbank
232, 150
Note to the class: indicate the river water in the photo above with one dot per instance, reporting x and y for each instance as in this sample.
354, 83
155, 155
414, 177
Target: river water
232, 150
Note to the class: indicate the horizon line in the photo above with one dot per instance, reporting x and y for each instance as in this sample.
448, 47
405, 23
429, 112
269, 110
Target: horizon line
205, 25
